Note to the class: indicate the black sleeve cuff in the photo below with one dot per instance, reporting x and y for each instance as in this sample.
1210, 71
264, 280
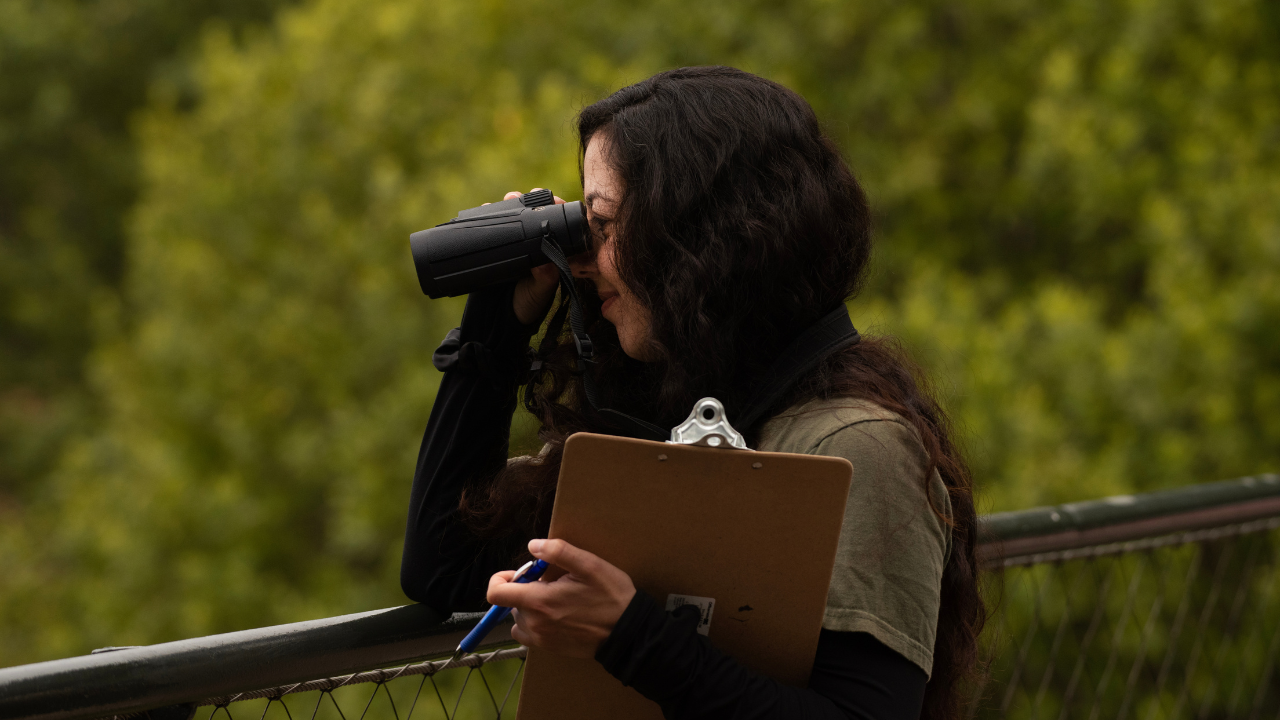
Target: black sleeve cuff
492, 342
663, 657
490, 318
650, 649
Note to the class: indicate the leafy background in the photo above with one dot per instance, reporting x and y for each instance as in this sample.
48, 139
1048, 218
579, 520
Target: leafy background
215, 360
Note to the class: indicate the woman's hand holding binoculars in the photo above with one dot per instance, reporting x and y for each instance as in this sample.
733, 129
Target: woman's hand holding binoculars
536, 290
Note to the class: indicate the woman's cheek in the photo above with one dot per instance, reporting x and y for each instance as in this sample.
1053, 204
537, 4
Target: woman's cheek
633, 329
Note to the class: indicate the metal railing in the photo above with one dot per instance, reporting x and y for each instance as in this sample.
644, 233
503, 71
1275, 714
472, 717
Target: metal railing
1158, 606
1165, 605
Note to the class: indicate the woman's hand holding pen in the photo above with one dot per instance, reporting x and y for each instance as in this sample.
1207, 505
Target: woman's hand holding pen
573, 614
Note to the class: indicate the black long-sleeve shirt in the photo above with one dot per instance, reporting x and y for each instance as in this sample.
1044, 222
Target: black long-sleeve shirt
660, 654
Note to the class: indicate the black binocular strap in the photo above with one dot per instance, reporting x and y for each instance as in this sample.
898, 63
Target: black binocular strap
832, 333
629, 425
576, 324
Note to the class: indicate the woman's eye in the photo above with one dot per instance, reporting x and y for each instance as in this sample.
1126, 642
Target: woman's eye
600, 230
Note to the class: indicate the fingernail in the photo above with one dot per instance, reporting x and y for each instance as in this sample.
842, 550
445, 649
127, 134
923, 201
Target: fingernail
535, 546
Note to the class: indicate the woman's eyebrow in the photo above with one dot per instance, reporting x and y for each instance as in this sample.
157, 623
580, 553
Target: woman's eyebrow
592, 197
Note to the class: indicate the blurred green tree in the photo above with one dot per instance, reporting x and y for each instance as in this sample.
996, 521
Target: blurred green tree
74, 74
1078, 234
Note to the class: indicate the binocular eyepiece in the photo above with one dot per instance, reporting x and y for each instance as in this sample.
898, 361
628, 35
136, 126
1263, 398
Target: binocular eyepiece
495, 243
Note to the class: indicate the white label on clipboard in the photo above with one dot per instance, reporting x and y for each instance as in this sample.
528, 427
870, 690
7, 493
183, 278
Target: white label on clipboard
704, 604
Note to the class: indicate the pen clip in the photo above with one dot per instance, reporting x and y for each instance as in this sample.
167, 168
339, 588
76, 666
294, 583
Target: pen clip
521, 571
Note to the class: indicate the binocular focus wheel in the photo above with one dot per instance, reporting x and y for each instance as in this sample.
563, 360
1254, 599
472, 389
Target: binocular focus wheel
537, 198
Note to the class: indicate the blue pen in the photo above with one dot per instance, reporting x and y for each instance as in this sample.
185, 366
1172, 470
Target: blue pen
529, 572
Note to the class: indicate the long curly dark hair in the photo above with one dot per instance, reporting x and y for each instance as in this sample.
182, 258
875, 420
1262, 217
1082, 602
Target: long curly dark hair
740, 225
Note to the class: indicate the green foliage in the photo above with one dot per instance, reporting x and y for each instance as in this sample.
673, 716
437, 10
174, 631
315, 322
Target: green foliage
74, 73
1175, 632
1078, 233
1142, 357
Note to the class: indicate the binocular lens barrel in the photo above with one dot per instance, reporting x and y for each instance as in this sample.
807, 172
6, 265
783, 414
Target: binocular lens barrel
495, 243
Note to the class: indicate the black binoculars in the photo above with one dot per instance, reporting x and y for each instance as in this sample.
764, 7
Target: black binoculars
496, 243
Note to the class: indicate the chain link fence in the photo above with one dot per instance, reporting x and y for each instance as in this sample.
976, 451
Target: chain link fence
1181, 626
1149, 608
485, 685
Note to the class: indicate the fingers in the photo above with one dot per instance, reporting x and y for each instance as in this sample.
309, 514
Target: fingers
515, 194
546, 278
501, 578
518, 632
570, 615
563, 555
516, 595
534, 293
525, 630
498, 580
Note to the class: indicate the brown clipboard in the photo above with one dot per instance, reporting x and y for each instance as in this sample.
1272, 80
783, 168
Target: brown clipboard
756, 531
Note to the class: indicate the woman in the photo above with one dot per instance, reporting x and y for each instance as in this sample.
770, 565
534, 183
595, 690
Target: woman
724, 223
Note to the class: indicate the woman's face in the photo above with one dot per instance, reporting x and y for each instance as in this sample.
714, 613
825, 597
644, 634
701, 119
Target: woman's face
602, 192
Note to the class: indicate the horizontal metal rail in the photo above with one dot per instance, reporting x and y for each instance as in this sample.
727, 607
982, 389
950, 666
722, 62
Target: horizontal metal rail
1126, 517
273, 661
131, 680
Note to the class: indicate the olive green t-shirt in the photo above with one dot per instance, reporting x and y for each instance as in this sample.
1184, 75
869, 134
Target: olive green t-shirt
893, 544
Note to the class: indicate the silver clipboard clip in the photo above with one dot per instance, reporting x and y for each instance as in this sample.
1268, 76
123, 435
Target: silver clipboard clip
707, 426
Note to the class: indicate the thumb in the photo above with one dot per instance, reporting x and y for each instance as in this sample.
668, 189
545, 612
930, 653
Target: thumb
567, 557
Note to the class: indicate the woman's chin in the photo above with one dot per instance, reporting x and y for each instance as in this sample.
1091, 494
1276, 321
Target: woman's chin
636, 350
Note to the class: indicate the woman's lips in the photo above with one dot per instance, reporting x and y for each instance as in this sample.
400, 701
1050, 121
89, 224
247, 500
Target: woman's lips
609, 301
